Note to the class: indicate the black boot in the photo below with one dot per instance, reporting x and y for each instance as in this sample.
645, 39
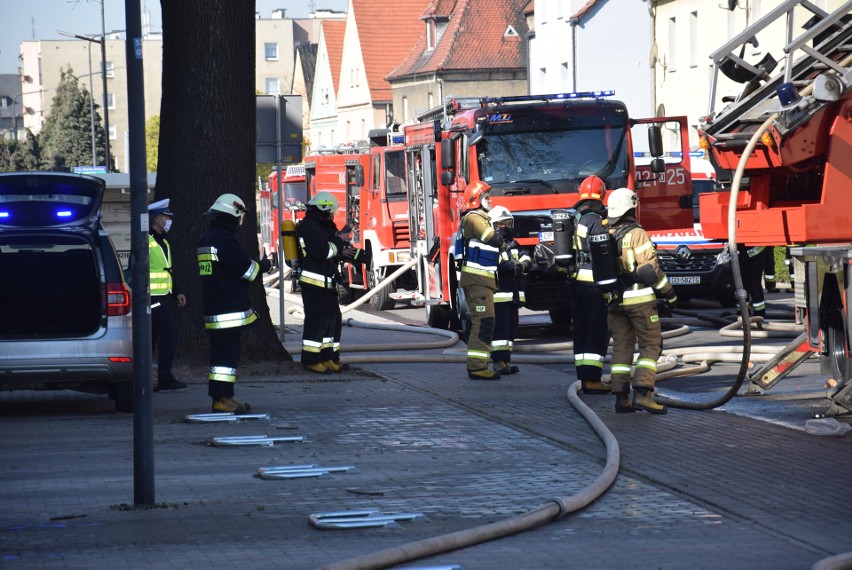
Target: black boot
623, 404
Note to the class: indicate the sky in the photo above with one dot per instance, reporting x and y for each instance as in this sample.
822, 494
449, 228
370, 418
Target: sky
40, 19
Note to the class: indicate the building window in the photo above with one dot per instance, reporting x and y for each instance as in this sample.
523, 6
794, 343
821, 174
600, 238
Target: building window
693, 39
110, 100
431, 100
110, 69
672, 44
272, 86
430, 35
270, 51
405, 109
113, 133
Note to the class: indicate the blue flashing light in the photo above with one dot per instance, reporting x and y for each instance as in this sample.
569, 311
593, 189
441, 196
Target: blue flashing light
5, 215
63, 214
551, 97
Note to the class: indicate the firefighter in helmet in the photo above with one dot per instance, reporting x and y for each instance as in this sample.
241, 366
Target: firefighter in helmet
482, 246
588, 307
320, 252
633, 314
226, 272
513, 263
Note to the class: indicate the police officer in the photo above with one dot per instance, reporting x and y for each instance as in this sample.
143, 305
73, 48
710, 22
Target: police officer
633, 311
751, 270
588, 307
164, 332
226, 272
512, 265
320, 252
479, 278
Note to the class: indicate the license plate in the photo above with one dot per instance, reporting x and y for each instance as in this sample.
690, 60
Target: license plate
688, 280
545, 236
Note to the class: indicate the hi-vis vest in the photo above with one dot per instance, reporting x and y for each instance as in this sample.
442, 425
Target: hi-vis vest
161, 263
638, 293
479, 257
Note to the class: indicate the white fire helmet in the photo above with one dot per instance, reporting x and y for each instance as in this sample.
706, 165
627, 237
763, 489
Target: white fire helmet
620, 202
229, 204
324, 201
501, 214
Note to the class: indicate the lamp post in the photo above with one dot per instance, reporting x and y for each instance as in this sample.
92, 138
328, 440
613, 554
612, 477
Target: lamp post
102, 42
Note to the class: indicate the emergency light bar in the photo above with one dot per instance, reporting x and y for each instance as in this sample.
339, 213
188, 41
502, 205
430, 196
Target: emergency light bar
552, 97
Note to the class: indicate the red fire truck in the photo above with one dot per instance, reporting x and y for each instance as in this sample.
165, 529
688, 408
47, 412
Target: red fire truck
534, 151
785, 144
370, 184
294, 196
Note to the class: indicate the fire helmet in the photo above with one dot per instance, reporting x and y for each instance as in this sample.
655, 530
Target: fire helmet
592, 188
474, 192
501, 214
620, 202
324, 201
229, 204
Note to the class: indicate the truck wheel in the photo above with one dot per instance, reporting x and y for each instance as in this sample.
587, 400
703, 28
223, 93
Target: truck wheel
123, 396
836, 346
381, 300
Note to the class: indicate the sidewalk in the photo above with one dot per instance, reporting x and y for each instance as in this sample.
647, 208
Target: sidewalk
695, 489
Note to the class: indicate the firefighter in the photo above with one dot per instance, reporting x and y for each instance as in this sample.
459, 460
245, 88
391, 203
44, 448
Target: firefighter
164, 295
512, 265
751, 269
588, 306
481, 246
632, 309
320, 251
226, 272
769, 278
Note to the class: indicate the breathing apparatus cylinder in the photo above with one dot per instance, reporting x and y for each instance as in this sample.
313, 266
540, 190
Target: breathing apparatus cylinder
563, 237
288, 239
604, 251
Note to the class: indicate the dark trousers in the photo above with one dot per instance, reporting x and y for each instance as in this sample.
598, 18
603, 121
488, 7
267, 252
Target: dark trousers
591, 332
323, 325
629, 324
164, 336
224, 360
751, 269
505, 330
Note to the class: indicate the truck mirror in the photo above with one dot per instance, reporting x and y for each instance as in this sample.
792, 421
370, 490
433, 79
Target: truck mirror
447, 155
658, 165
358, 174
655, 141
446, 178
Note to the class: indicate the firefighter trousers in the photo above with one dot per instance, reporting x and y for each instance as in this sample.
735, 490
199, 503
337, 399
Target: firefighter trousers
630, 324
323, 324
752, 274
224, 360
505, 330
480, 303
591, 331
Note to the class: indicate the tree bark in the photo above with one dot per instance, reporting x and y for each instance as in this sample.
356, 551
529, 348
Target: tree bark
207, 148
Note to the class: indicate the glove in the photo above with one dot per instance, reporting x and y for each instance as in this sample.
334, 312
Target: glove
354, 254
517, 268
265, 265
338, 242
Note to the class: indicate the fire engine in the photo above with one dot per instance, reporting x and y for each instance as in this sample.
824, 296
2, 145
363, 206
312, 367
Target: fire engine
786, 141
534, 151
370, 184
294, 196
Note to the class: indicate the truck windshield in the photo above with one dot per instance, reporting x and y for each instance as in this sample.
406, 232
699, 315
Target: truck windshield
395, 175
561, 146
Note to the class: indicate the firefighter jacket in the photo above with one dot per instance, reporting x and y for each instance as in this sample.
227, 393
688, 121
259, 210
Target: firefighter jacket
160, 258
639, 271
319, 247
481, 250
226, 272
591, 220
512, 262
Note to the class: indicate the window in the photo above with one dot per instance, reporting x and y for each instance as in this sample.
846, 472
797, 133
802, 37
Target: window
693, 39
430, 35
377, 171
110, 69
405, 108
110, 100
113, 133
431, 100
672, 44
272, 86
270, 51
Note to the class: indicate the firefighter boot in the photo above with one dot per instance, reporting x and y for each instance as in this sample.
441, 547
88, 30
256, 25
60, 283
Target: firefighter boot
319, 368
504, 368
230, 405
623, 404
331, 365
643, 399
594, 387
483, 374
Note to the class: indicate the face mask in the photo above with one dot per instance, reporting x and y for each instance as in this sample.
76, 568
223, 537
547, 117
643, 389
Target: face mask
167, 226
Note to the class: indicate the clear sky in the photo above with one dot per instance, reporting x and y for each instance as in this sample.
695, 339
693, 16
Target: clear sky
39, 19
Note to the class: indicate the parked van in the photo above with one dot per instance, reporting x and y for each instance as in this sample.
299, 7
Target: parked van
696, 267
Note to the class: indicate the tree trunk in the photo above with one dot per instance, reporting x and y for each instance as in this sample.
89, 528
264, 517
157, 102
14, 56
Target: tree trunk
207, 148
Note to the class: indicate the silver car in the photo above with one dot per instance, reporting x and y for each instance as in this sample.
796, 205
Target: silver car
65, 318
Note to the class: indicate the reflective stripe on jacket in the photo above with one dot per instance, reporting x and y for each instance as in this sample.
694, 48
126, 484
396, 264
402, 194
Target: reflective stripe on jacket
161, 263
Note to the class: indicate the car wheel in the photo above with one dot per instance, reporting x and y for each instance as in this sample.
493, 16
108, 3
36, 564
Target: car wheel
123, 395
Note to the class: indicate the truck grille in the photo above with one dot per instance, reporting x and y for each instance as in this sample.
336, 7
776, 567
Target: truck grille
695, 263
401, 234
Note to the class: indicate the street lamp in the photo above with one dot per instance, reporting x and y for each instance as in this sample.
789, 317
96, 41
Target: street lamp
102, 42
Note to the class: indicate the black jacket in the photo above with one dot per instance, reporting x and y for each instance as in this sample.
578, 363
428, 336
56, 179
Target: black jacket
319, 248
